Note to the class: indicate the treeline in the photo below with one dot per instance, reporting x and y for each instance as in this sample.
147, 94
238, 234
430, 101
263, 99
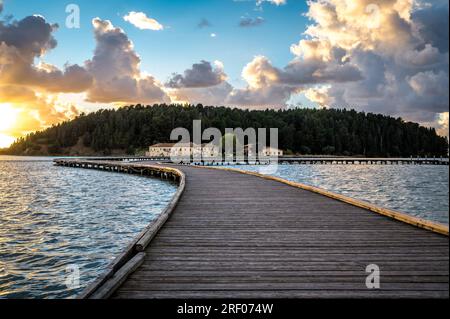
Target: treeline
301, 131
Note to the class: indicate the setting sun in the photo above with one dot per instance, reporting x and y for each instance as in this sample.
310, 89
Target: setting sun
8, 116
6, 140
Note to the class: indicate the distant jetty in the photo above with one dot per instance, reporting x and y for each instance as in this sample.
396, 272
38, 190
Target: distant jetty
295, 160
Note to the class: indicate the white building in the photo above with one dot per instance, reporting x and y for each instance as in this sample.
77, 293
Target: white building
183, 150
206, 151
271, 151
250, 150
211, 151
160, 150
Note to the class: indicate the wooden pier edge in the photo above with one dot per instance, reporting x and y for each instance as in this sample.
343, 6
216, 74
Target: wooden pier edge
145, 240
132, 256
130, 259
107, 289
408, 219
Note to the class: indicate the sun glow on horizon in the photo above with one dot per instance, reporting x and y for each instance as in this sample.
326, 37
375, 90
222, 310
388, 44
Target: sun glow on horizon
8, 117
6, 140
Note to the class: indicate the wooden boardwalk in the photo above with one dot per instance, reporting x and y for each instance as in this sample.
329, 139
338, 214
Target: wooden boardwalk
234, 235
240, 236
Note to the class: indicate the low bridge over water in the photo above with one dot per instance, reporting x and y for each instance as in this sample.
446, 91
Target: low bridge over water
232, 234
295, 160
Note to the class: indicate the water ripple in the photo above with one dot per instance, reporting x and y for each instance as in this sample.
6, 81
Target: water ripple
52, 217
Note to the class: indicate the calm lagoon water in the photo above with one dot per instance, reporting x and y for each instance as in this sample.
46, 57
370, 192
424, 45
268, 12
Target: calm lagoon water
418, 190
53, 217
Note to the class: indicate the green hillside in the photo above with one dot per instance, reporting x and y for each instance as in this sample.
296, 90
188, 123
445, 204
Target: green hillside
130, 130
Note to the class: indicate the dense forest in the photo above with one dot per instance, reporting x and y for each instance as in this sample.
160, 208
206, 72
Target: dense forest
132, 129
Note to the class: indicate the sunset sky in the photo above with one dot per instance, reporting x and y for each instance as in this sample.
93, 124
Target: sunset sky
381, 56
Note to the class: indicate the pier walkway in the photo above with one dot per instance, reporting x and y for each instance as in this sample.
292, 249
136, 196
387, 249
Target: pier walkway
237, 235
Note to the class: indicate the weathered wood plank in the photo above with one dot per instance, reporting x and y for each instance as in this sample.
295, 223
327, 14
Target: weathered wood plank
233, 235
306, 294
238, 236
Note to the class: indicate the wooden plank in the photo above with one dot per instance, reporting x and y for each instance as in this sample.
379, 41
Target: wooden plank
433, 226
215, 236
106, 290
306, 294
235, 235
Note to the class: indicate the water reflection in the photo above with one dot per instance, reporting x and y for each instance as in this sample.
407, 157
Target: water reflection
52, 217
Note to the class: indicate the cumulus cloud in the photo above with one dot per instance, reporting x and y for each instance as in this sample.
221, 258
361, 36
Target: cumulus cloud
116, 72
319, 95
202, 74
31, 36
302, 71
141, 21
380, 25
443, 124
264, 88
386, 57
28, 87
204, 82
32, 87
251, 22
432, 24
429, 83
399, 47
260, 73
23, 41
213, 95
268, 85
428, 55
275, 96
276, 2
